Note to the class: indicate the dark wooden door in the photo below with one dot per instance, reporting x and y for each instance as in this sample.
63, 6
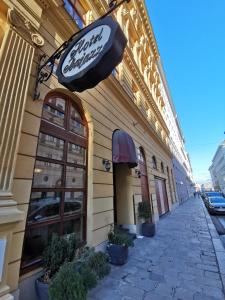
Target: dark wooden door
165, 198
161, 196
158, 198
144, 176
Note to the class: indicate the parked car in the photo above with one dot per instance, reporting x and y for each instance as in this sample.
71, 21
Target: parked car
216, 205
214, 194
208, 195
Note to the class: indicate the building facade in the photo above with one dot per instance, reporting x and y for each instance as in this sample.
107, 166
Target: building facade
207, 186
217, 169
181, 162
60, 170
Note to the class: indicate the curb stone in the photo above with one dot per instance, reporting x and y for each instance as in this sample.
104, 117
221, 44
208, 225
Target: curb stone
218, 246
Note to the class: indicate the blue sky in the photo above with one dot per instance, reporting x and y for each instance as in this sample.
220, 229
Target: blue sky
191, 41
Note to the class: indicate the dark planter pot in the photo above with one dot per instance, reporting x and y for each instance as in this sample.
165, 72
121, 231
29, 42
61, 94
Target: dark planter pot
42, 290
118, 254
148, 229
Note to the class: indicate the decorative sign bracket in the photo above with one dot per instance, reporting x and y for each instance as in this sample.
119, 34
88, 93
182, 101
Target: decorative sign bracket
46, 66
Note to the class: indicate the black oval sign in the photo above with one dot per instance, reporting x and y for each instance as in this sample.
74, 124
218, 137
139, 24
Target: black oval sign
92, 55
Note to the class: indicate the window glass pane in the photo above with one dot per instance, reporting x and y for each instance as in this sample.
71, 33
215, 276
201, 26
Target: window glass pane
73, 202
35, 241
76, 154
75, 177
58, 102
53, 115
76, 123
50, 146
70, 8
77, 127
47, 175
44, 205
73, 226
75, 114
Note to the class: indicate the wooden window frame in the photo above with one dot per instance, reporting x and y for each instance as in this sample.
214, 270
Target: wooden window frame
67, 136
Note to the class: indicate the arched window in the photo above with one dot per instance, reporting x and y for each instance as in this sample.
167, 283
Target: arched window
162, 167
58, 195
154, 163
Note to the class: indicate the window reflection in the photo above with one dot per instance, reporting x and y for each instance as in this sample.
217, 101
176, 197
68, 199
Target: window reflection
73, 226
76, 123
75, 177
73, 202
47, 174
76, 154
53, 115
44, 205
58, 102
35, 241
77, 127
50, 146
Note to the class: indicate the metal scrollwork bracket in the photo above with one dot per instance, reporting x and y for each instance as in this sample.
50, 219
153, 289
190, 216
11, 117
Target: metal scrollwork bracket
46, 66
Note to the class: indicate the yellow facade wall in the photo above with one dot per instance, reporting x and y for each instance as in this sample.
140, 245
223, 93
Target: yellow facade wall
109, 106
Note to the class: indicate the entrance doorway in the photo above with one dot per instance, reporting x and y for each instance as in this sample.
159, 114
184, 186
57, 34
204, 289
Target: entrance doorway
161, 196
124, 158
123, 201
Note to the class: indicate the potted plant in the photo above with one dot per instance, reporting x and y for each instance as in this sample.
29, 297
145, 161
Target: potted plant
89, 261
144, 212
58, 251
67, 284
74, 279
118, 243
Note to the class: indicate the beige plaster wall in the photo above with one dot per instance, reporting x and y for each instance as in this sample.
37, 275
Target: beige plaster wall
107, 107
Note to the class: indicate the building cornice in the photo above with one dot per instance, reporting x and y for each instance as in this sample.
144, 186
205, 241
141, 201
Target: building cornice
141, 6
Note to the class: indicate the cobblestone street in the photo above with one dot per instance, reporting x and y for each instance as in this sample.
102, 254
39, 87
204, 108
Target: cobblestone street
183, 261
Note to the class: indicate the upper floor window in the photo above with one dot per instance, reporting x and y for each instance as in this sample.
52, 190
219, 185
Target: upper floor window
162, 167
154, 163
76, 11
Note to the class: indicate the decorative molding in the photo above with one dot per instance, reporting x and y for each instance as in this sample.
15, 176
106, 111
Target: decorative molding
11, 215
23, 26
143, 86
13, 95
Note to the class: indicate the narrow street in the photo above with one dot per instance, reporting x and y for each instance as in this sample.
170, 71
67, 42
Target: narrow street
183, 261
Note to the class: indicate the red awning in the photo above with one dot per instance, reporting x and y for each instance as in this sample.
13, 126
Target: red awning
123, 149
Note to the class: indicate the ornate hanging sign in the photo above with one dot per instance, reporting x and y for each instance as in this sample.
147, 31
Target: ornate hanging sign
92, 55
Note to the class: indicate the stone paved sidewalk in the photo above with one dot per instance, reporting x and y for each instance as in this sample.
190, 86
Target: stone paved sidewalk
178, 263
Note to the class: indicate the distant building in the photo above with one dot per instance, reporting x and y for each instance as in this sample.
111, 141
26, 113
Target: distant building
207, 186
182, 170
198, 187
217, 169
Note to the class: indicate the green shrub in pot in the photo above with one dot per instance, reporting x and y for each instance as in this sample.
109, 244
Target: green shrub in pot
98, 262
68, 284
118, 243
58, 251
144, 212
